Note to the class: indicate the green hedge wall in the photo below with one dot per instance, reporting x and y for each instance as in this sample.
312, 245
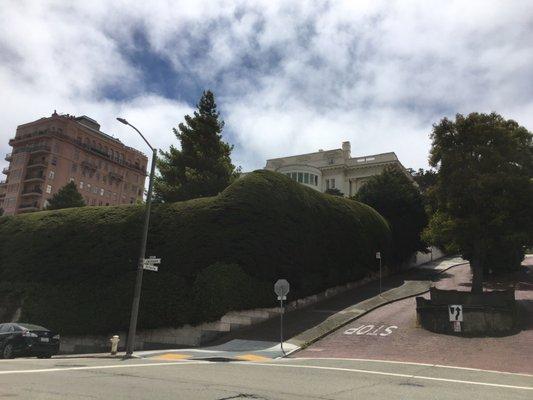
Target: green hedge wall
75, 268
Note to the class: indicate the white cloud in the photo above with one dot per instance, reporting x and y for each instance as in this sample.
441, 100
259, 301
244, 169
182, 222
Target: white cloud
291, 77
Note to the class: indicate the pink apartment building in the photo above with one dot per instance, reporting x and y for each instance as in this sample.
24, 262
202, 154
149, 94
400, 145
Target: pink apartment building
50, 152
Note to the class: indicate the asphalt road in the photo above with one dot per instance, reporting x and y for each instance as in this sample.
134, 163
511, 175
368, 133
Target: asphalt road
85, 378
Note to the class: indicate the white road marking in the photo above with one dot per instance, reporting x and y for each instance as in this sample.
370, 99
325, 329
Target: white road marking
409, 363
33, 371
364, 371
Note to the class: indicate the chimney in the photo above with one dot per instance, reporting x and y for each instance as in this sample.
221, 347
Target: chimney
347, 148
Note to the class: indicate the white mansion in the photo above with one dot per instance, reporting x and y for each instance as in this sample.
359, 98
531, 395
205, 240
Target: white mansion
334, 169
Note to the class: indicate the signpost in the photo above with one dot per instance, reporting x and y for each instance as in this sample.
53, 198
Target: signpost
150, 263
281, 288
455, 312
378, 257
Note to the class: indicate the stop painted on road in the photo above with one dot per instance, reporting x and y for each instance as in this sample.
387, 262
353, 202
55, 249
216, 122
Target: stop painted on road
372, 330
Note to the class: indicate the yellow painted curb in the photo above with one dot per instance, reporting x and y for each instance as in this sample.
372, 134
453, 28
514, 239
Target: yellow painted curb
171, 356
252, 357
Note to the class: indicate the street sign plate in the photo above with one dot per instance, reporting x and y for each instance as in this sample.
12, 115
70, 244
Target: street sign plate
151, 267
456, 326
378, 255
152, 261
455, 312
282, 297
281, 287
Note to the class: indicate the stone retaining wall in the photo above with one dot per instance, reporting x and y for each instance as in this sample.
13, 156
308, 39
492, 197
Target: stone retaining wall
488, 314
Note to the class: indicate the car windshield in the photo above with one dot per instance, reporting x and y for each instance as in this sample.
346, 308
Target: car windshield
31, 327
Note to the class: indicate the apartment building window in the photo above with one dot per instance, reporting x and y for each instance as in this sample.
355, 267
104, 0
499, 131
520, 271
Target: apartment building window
81, 184
51, 175
54, 160
97, 176
101, 192
95, 190
104, 178
74, 167
89, 187
332, 183
48, 188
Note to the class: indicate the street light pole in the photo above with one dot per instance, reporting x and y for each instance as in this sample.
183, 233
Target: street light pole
142, 254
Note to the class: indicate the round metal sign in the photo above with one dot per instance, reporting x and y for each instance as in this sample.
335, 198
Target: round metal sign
281, 287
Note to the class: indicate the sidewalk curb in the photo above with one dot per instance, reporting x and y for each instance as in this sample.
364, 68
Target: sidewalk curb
320, 334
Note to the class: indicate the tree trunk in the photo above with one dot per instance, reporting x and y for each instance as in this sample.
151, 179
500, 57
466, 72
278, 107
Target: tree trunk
477, 269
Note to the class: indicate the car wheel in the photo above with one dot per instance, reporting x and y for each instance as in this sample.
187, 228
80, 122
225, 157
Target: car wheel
7, 352
45, 356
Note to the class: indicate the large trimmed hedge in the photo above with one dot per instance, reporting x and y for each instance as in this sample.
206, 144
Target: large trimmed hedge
75, 268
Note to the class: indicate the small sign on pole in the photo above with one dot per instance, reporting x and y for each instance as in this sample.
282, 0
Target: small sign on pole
150, 264
378, 255
455, 312
456, 326
281, 288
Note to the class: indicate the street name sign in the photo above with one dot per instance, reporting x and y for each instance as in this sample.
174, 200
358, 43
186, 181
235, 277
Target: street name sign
455, 312
281, 288
150, 263
378, 255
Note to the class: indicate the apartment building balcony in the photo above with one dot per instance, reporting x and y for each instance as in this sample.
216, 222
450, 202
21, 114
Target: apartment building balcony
32, 191
89, 165
39, 149
8, 157
5, 171
115, 176
37, 163
27, 207
34, 178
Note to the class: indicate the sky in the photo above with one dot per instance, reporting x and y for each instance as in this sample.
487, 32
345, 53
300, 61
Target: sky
290, 77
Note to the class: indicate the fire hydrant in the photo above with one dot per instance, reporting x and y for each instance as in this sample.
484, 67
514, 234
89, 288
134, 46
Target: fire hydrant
114, 344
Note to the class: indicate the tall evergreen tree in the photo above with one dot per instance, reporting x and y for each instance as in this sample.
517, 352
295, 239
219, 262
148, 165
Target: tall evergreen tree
203, 165
484, 191
67, 197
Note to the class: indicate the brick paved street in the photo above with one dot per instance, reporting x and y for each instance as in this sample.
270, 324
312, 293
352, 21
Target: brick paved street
390, 333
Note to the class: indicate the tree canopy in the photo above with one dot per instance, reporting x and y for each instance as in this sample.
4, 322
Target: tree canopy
484, 191
202, 167
394, 196
67, 197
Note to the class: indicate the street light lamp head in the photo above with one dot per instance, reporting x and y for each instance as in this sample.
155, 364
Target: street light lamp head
123, 121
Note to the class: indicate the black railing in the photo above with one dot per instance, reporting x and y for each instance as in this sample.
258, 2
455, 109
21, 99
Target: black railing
32, 190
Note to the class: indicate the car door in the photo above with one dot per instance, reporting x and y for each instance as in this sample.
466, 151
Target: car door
3, 333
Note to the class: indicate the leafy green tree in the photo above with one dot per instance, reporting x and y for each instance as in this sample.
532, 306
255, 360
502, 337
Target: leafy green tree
202, 167
484, 191
396, 198
334, 192
67, 197
424, 178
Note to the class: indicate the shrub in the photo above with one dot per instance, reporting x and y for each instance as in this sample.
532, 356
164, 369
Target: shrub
76, 267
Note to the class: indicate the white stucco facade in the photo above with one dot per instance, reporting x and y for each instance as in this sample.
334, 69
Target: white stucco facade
334, 169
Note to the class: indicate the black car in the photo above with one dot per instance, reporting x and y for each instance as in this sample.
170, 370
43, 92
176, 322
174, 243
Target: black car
21, 339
